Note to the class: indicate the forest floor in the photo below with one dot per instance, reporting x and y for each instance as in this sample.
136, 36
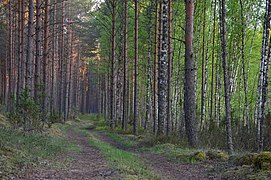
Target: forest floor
98, 153
164, 167
90, 163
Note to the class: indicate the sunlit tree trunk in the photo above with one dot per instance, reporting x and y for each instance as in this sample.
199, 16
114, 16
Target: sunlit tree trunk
30, 49
189, 85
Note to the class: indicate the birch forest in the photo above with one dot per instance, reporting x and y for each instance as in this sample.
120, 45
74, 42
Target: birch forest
138, 76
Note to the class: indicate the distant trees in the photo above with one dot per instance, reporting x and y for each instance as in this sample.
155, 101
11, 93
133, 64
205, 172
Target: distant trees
41, 51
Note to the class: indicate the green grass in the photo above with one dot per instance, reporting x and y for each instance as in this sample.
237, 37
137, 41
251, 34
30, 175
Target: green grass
19, 150
128, 164
128, 141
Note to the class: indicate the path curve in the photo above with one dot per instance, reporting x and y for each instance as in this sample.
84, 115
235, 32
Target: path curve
166, 168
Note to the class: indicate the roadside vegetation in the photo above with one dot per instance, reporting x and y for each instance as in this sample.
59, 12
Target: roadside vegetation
242, 165
21, 150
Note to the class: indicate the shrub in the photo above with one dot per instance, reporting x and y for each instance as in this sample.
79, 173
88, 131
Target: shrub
26, 113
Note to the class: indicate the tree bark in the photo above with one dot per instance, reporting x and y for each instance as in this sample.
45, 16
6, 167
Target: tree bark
29, 54
125, 70
135, 127
169, 76
112, 113
162, 71
38, 51
148, 98
226, 76
189, 86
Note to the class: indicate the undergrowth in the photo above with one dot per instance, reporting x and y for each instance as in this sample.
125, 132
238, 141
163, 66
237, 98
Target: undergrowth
20, 150
172, 147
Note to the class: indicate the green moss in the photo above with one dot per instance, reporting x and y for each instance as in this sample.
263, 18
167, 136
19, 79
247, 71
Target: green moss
217, 155
263, 161
200, 156
247, 159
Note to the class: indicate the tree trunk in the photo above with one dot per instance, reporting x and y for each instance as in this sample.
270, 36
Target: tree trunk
155, 64
148, 98
29, 54
125, 70
203, 69
226, 76
246, 117
135, 127
262, 89
112, 110
38, 52
189, 86
169, 69
213, 66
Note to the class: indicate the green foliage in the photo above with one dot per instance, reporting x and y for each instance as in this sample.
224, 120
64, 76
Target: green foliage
26, 114
54, 117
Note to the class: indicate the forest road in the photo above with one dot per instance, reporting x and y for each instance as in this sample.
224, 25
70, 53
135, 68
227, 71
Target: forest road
88, 164
166, 168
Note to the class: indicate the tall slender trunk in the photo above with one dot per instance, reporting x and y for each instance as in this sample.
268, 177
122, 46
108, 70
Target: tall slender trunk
21, 49
203, 69
155, 64
45, 58
246, 117
61, 61
54, 59
135, 127
162, 71
226, 76
112, 110
262, 87
189, 86
213, 65
169, 69
38, 51
148, 98
125, 70
29, 53
119, 91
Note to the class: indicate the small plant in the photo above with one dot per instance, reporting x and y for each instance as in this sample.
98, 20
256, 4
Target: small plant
26, 113
54, 117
